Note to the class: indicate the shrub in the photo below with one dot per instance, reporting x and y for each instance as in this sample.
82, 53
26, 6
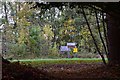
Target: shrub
87, 55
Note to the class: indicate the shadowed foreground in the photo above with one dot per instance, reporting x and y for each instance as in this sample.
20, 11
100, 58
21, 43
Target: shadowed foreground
15, 71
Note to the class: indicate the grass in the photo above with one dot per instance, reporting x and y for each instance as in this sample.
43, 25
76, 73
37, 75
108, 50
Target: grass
42, 62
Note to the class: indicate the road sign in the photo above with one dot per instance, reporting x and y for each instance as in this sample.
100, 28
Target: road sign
75, 49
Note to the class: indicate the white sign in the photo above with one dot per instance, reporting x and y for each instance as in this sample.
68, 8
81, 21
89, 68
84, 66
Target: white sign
71, 44
64, 48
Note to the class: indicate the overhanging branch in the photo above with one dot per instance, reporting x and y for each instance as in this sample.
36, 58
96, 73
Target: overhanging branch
92, 35
98, 26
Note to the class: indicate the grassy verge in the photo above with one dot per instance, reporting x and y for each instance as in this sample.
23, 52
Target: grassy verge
42, 62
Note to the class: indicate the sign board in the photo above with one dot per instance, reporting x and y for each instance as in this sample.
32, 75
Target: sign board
71, 45
75, 49
64, 49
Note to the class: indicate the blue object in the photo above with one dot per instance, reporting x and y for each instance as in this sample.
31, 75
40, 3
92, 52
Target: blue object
65, 49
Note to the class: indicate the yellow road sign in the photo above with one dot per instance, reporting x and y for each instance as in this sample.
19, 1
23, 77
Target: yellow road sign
75, 49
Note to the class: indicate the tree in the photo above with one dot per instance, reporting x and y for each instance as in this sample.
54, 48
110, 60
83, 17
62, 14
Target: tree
113, 23
113, 33
112, 11
56, 15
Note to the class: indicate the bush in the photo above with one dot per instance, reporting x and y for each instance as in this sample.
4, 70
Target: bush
53, 53
16, 50
87, 55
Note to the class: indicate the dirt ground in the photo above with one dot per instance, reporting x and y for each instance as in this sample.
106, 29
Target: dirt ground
83, 71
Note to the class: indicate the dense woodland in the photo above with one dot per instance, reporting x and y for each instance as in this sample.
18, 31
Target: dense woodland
39, 32
32, 30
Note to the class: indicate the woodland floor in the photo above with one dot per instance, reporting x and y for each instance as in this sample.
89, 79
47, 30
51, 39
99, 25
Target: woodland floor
83, 71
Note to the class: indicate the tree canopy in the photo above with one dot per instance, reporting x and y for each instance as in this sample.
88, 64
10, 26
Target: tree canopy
36, 27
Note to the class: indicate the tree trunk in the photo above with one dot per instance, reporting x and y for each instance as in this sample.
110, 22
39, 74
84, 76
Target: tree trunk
113, 35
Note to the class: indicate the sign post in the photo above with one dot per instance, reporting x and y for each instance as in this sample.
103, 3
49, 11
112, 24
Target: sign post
65, 49
71, 45
68, 49
75, 50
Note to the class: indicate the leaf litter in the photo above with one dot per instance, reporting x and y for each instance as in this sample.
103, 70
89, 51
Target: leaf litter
15, 71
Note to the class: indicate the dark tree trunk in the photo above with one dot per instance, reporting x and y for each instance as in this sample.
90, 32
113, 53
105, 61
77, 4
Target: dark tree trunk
5, 61
113, 35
